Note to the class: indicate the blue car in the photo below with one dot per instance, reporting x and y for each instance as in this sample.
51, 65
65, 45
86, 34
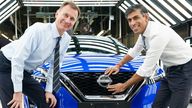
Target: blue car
83, 80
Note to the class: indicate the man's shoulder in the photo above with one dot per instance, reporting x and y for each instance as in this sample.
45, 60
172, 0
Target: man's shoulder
158, 25
40, 24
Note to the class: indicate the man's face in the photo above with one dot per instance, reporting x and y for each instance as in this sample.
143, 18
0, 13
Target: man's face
65, 18
137, 21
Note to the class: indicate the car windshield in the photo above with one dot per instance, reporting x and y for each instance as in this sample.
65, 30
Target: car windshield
83, 44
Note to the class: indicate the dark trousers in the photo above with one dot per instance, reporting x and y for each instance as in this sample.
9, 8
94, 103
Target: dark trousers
175, 88
31, 87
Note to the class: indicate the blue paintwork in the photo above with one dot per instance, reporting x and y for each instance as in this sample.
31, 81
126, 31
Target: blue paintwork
65, 99
145, 97
98, 63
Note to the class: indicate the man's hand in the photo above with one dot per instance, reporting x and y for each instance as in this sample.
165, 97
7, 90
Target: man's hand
117, 88
50, 98
16, 102
112, 70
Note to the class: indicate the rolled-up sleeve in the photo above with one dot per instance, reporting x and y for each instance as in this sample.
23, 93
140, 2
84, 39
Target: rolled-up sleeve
136, 50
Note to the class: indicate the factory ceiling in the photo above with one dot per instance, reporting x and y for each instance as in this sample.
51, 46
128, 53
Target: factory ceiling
168, 12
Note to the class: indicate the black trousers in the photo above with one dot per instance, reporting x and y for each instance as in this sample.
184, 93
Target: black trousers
175, 88
31, 87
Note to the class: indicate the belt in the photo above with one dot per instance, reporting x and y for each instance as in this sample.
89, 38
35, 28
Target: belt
177, 66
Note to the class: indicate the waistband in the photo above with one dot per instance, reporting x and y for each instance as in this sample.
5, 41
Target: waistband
178, 66
8, 62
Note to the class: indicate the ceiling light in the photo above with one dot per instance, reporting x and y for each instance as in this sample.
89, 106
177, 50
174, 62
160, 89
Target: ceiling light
7, 8
134, 1
78, 2
125, 2
9, 12
171, 10
179, 8
161, 12
153, 18
186, 4
154, 13
3, 3
122, 9
6, 37
125, 7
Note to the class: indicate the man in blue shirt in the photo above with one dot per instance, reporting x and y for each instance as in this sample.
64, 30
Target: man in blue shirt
34, 47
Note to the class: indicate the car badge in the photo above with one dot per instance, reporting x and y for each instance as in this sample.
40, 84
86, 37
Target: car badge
104, 80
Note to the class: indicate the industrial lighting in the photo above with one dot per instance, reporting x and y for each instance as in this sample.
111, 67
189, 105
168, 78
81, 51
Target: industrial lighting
3, 3
6, 11
186, 4
78, 2
154, 13
125, 2
6, 37
134, 1
122, 9
42, 3
7, 8
125, 7
128, 5
172, 10
179, 8
161, 12
99, 4
9, 12
100, 33
153, 18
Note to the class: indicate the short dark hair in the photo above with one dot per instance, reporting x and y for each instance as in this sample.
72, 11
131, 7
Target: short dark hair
135, 7
73, 6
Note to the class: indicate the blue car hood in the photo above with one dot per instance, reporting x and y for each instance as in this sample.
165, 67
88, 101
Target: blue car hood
97, 63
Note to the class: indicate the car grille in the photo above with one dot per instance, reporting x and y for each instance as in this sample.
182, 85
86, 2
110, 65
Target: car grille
87, 82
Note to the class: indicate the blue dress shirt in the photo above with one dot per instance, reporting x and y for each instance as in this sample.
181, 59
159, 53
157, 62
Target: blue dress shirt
32, 49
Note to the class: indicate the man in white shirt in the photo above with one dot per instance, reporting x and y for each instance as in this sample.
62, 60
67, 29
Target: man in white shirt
162, 43
32, 49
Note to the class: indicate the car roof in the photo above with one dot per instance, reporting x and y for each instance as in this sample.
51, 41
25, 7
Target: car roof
96, 44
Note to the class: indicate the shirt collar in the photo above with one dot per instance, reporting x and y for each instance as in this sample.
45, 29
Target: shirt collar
55, 32
147, 30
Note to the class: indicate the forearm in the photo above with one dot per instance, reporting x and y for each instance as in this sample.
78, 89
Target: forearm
133, 80
124, 60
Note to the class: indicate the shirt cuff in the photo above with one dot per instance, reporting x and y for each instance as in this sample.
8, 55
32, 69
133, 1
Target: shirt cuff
17, 86
48, 88
143, 73
132, 53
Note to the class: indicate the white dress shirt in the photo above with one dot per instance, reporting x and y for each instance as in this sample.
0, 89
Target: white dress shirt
32, 49
164, 44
